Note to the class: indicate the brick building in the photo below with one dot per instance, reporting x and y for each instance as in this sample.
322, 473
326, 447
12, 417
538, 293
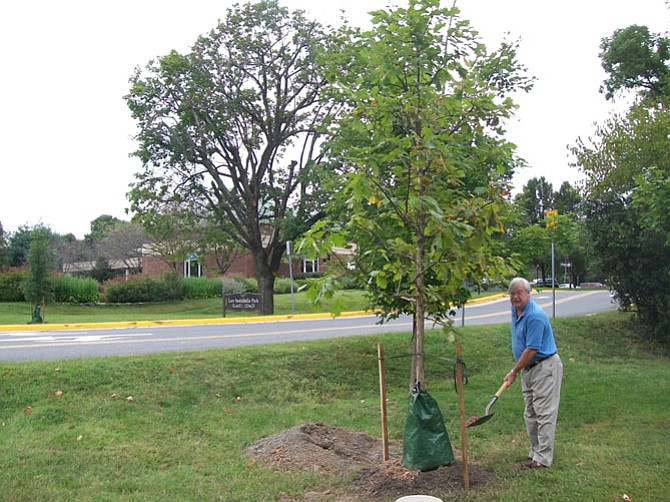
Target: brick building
242, 265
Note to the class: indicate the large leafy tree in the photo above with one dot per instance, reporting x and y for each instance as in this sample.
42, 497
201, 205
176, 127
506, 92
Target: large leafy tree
3, 248
232, 128
100, 227
123, 243
567, 200
572, 248
627, 167
529, 237
177, 232
651, 196
635, 259
532, 245
428, 167
18, 246
214, 247
636, 59
622, 148
536, 198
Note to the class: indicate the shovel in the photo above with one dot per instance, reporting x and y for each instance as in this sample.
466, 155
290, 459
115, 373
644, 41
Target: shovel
487, 414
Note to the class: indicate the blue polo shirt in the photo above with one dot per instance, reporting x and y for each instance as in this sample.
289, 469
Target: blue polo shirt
531, 330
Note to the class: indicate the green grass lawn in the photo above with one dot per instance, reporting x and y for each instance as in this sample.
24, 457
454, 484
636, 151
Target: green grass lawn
21, 314
182, 435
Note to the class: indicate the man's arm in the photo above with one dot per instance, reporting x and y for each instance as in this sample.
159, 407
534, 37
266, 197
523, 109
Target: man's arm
526, 357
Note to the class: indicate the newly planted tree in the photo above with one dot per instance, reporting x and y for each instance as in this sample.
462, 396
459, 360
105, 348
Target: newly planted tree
37, 287
427, 165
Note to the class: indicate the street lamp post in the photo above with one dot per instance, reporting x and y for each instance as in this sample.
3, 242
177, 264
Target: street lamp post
552, 223
290, 272
553, 279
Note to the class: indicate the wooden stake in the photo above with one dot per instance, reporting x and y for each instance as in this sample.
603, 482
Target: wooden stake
382, 397
461, 406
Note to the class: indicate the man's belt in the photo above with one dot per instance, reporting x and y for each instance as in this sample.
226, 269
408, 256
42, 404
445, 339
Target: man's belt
535, 363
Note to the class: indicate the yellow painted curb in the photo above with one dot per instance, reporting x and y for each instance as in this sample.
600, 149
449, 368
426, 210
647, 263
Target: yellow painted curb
192, 322
173, 322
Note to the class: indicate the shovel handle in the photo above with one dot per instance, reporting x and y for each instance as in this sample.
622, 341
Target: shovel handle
501, 389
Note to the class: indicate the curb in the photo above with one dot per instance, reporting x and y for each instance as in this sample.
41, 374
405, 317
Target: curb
191, 322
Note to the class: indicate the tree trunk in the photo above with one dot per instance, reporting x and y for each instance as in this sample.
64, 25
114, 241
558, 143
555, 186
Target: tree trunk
417, 377
418, 356
266, 282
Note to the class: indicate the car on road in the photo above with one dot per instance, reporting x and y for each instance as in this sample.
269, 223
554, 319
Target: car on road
592, 285
545, 283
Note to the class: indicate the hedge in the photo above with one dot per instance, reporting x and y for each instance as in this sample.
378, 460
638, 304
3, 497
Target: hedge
68, 289
11, 286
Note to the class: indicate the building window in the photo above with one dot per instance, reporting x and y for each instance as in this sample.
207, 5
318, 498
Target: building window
192, 267
310, 266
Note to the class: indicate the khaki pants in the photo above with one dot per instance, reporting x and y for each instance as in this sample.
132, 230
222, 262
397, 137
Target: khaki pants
541, 387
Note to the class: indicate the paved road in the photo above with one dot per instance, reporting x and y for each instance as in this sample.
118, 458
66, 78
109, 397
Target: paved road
568, 303
62, 342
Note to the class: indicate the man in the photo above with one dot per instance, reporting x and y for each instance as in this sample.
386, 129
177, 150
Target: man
541, 369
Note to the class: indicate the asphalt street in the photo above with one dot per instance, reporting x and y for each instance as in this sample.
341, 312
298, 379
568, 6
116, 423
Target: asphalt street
50, 342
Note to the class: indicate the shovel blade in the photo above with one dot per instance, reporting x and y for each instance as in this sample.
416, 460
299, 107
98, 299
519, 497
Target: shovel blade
479, 420
487, 413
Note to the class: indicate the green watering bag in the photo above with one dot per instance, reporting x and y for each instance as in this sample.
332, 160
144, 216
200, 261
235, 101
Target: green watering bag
426, 443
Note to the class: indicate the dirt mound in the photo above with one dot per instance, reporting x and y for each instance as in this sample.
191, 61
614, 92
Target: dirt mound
317, 447
329, 450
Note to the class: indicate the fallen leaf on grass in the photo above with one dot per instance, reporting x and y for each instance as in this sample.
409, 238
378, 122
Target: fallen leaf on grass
28, 410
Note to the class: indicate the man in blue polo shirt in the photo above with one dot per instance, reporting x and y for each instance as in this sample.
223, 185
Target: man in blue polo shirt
536, 354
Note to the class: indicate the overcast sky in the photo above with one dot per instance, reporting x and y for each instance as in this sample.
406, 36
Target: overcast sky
66, 133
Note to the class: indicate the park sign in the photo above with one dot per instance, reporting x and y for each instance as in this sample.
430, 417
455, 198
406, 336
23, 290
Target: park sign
246, 302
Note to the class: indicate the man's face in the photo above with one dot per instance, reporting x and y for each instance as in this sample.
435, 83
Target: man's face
519, 297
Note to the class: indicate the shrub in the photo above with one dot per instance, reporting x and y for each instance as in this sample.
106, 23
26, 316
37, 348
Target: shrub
68, 289
283, 286
233, 286
204, 287
174, 287
135, 291
250, 284
102, 271
11, 286
196, 288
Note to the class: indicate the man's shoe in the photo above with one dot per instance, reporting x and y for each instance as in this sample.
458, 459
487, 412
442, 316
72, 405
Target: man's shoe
535, 465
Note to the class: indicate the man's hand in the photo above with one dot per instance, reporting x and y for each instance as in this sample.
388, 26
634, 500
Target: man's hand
510, 378
526, 357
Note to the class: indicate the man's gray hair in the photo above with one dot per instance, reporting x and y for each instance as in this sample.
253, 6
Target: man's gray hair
514, 283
